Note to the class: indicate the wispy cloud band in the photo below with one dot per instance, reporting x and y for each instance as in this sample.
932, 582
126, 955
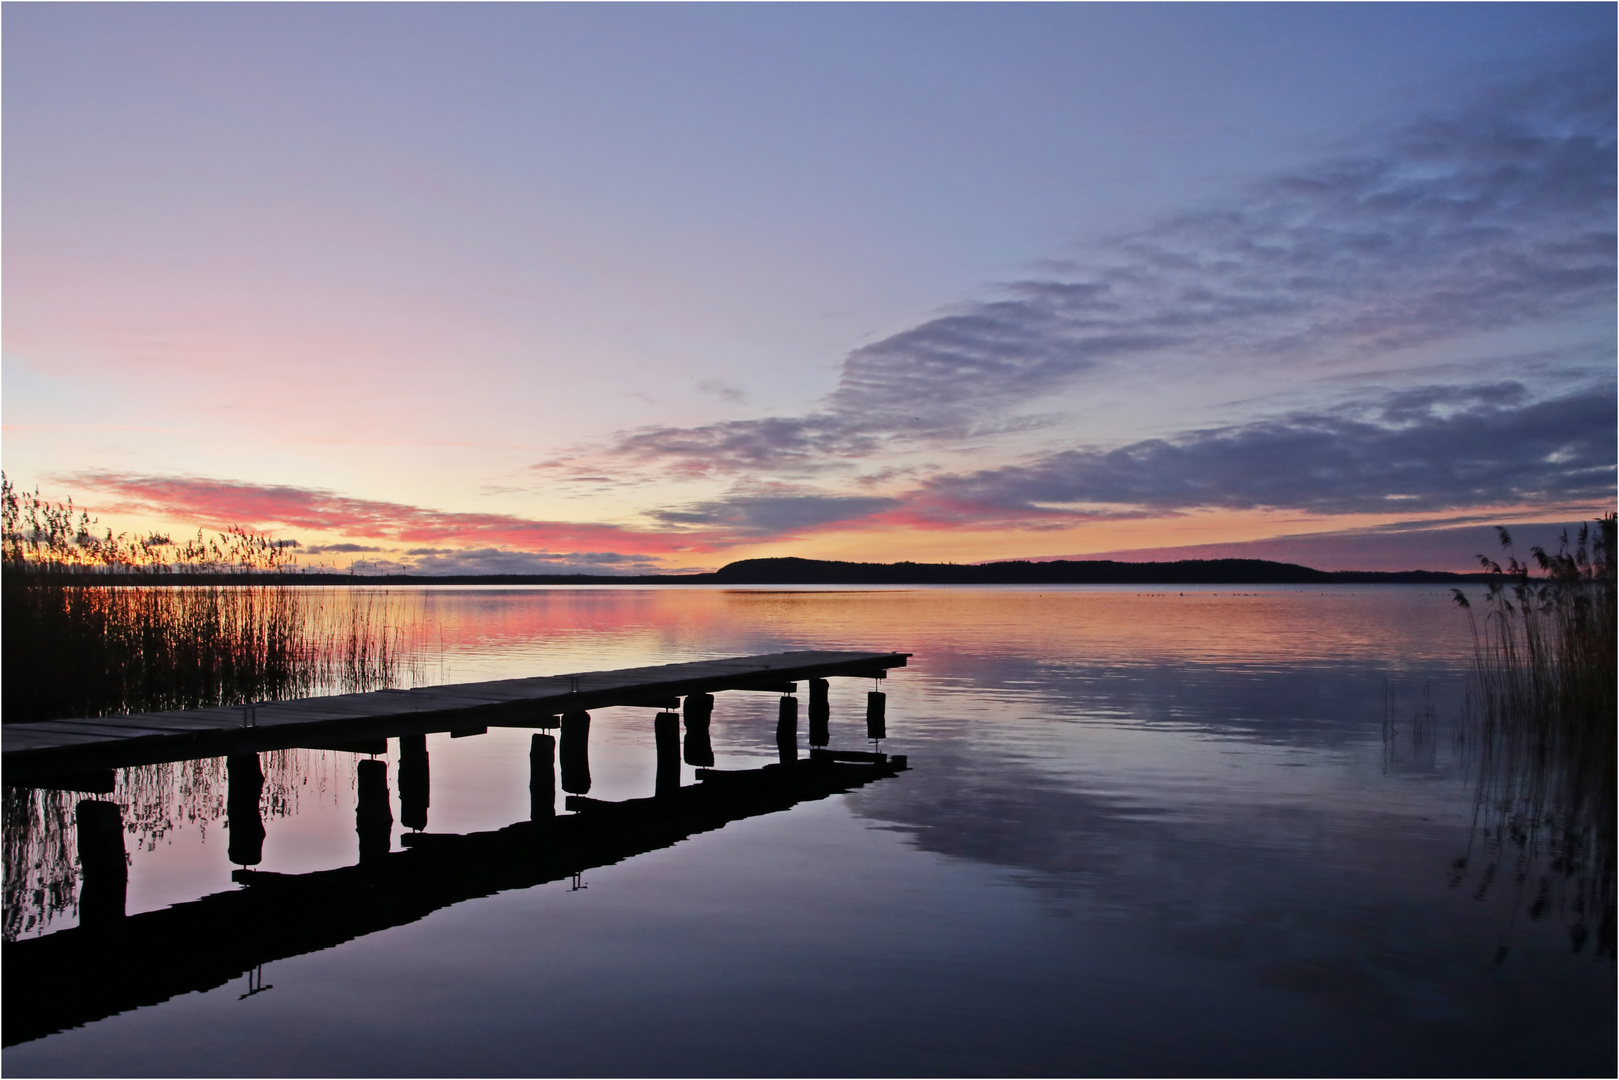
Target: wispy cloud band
1495, 217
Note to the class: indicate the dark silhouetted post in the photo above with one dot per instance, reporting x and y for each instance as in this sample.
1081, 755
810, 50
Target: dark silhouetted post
542, 778
820, 714
415, 783
666, 728
373, 817
787, 730
575, 753
245, 784
699, 748
876, 715
100, 828
699, 710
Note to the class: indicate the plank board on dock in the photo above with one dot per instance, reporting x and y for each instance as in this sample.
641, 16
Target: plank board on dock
50, 747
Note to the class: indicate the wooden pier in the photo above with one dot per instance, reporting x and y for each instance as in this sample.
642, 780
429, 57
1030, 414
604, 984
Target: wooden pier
39, 751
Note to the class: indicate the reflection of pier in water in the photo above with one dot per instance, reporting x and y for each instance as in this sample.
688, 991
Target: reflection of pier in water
112, 962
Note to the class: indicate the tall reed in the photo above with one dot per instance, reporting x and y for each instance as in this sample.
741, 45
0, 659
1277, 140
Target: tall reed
39, 538
75, 642
1541, 713
76, 649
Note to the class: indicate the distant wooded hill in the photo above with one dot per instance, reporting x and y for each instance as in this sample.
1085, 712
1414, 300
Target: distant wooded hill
791, 571
1063, 572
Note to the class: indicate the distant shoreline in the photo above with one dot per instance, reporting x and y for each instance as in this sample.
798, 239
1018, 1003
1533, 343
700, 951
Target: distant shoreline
792, 571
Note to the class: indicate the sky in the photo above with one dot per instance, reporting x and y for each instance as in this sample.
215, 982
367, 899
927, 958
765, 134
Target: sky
630, 288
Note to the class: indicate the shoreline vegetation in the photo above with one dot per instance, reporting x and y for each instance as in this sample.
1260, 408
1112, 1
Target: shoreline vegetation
1540, 725
92, 625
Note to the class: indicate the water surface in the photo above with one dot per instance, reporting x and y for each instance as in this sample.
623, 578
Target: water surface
1144, 831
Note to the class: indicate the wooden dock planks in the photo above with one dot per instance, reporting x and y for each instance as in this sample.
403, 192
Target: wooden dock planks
51, 747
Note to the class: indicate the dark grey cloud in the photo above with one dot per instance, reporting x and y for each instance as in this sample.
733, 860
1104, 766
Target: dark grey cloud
1416, 451
339, 549
1498, 216
775, 441
774, 514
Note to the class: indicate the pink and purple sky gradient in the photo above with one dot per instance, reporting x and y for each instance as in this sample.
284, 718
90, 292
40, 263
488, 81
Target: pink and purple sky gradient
557, 288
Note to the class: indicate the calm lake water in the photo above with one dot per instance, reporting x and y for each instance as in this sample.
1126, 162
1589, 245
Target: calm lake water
1143, 831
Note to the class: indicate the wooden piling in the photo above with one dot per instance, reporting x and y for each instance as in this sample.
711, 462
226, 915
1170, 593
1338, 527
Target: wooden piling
542, 778
100, 829
373, 816
698, 710
787, 730
244, 780
575, 753
415, 782
820, 714
876, 715
666, 730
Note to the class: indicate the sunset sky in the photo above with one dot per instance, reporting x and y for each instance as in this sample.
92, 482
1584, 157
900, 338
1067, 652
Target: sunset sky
618, 288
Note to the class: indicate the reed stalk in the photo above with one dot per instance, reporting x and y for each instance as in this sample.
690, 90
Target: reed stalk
1541, 719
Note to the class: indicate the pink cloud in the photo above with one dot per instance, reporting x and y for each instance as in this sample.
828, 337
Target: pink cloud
275, 507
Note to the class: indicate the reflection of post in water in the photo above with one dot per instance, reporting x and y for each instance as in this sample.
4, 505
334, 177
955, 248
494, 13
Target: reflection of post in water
255, 983
245, 784
820, 714
575, 753
787, 730
373, 817
78, 977
414, 782
876, 715
542, 778
666, 730
101, 854
699, 709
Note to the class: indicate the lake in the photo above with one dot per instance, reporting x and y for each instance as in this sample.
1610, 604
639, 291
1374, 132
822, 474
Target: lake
1143, 831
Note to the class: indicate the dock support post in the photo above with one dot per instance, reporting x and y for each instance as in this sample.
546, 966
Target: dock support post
876, 715
787, 730
244, 780
100, 828
699, 710
820, 714
575, 753
415, 783
542, 778
666, 730
373, 817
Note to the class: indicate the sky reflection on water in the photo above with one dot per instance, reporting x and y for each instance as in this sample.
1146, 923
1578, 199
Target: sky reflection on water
1143, 832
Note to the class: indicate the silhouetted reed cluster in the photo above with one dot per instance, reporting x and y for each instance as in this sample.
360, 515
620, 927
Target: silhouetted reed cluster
1542, 714
75, 649
52, 540
80, 638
